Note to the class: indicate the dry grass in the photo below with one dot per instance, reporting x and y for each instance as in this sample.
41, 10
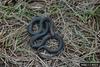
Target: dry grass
78, 22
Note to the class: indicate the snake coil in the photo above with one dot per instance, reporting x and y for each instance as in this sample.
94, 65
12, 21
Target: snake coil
45, 32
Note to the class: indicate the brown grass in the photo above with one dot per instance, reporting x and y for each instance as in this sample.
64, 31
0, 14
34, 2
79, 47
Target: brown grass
78, 22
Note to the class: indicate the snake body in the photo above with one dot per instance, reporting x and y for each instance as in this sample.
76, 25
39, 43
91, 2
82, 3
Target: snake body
44, 33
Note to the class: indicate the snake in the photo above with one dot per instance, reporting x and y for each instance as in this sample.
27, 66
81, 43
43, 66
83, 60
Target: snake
45, 32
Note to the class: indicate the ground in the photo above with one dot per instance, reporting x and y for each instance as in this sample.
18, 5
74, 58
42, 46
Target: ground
78, 22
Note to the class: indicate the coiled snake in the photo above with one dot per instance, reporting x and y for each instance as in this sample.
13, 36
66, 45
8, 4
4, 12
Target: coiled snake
45, 33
